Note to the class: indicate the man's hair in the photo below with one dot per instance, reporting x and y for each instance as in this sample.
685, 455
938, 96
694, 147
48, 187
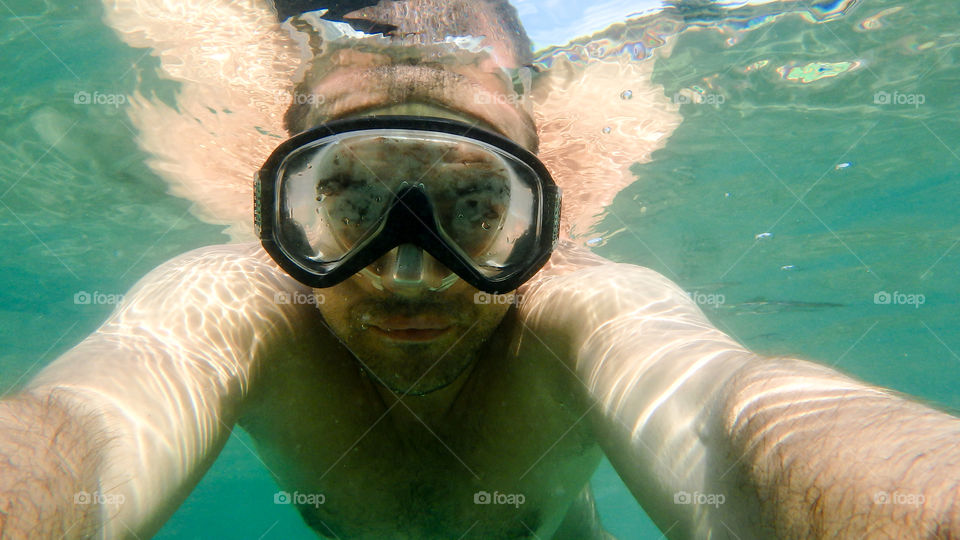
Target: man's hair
416, 33
428, 21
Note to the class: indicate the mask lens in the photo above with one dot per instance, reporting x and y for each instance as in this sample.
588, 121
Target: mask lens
484, 206
335, 198
336, 195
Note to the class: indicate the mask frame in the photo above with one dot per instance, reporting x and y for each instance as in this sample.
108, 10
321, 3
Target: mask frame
411, 217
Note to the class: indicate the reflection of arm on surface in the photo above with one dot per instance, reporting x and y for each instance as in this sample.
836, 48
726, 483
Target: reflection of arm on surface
160, 385
715, 440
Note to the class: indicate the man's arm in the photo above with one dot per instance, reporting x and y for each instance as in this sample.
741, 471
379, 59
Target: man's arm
126, 423
50, 457
715, 440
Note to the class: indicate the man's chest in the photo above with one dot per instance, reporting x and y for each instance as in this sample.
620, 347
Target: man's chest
503, 463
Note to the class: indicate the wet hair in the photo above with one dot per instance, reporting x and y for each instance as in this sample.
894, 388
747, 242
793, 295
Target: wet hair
410, 25
432, 20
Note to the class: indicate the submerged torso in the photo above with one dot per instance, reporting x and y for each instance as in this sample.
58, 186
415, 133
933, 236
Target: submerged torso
358, 468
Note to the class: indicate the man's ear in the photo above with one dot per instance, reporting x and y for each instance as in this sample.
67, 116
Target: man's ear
595, 119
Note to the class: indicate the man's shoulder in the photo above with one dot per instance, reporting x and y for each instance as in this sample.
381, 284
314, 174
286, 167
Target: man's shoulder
236, 265
238, 279
228, 257
579, 265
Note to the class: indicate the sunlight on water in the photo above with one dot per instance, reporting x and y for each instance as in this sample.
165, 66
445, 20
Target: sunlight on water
791, 165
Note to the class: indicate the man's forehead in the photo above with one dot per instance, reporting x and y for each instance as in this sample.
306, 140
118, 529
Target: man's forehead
493, 25
432, 110
460, 78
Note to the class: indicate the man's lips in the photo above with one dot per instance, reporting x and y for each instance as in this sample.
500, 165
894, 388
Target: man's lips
411, 334
416, 328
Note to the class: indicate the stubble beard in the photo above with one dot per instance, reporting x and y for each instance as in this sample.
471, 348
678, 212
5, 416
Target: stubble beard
418, 368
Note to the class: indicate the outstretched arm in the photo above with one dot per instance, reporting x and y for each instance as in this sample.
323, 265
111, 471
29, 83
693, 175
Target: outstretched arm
126, 423
716, 441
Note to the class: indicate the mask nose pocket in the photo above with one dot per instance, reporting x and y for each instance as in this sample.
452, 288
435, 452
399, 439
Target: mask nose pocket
406, 267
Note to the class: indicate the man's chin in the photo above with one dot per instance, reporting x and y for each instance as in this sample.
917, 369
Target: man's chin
413, 383
411, 367
418, 389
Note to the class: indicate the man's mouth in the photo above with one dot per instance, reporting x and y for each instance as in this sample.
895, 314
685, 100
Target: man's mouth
411, 334
416, 328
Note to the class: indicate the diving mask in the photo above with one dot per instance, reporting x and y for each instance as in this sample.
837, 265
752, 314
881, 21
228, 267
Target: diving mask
333, 200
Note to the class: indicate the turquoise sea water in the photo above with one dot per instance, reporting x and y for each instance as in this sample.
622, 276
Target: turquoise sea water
814, 180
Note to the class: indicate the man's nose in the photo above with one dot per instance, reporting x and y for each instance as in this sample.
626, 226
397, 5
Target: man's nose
408, 271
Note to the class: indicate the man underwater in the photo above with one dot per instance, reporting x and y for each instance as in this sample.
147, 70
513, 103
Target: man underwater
417, 396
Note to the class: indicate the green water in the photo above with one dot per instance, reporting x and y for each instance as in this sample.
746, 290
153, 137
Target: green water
81, 212
859, 197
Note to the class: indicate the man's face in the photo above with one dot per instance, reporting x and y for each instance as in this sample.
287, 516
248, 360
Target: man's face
409, 338
413, 339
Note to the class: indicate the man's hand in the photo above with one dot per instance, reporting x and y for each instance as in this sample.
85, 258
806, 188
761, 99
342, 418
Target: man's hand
830, 457
49, 469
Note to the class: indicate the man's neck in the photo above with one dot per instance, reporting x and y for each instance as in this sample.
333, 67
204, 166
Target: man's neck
424, 410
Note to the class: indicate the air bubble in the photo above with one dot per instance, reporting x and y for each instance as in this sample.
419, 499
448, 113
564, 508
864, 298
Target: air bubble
598, 241
626, 94
607, 130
